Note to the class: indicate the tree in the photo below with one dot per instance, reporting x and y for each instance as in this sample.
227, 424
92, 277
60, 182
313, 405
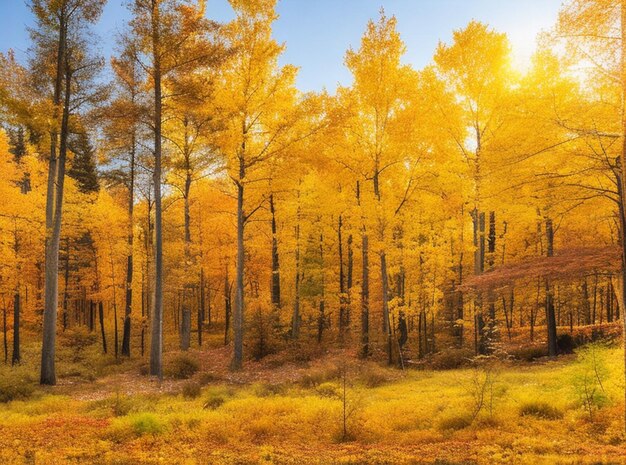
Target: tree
122, 126
265, 120
171, 37
382, 147
189, 133
477, 69
596, 32
83, 168
60, 25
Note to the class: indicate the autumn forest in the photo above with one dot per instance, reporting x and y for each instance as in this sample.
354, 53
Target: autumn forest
201, 263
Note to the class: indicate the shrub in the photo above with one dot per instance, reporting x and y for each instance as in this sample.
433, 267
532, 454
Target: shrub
304, 353
590, 376
450, 359
16, 385
121, 405
314, 378
191, 389
267, 389
77, 339
374, 376
454, 422
118, 406
328, 390
261, 427
529, 353
213, 402
207, 378
540, 409
566, 343
263, 330
146, 423
607, 333
182, 367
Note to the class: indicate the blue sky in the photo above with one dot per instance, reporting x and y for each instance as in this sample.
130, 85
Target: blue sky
318, 32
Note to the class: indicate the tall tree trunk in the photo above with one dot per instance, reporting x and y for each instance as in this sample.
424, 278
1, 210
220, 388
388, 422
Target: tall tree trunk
201, 305
227, 305
365, 296
295, 318
459, 304
622, 186
550, 315
102, 332
384, 279
185, 329
478, 219
342, 284
275, 258
491, 250
48, 375
129, 259
384, 288
349, 281
143, 315
321, 322
238, 316
16, 358
66, 281
115, 331
209, 313
4, 333
156, 344
48, 350
586, 306
595, 299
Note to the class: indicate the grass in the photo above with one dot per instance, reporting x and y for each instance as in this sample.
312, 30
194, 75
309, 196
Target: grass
529, 414
540, 409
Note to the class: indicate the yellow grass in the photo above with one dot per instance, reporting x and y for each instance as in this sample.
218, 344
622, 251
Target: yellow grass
530, 414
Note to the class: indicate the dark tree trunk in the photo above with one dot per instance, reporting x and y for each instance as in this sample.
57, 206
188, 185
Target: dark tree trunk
4, 332
342, 284
115, 329
365, 296
275, 261
66, 281
129, 259
143, 315
550, 315
209, 313
321, 322
185, 329
349, 280
621, 187
156, 344
238, 316
295, 318
478, 220
102, 332
586, 306
16, 329
385, 302
201, 307
491, 250
185, 325
227, 306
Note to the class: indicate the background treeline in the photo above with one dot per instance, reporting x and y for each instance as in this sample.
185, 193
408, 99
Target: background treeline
198, 198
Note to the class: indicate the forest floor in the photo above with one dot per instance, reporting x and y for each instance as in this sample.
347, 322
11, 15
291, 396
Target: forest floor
289, 410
